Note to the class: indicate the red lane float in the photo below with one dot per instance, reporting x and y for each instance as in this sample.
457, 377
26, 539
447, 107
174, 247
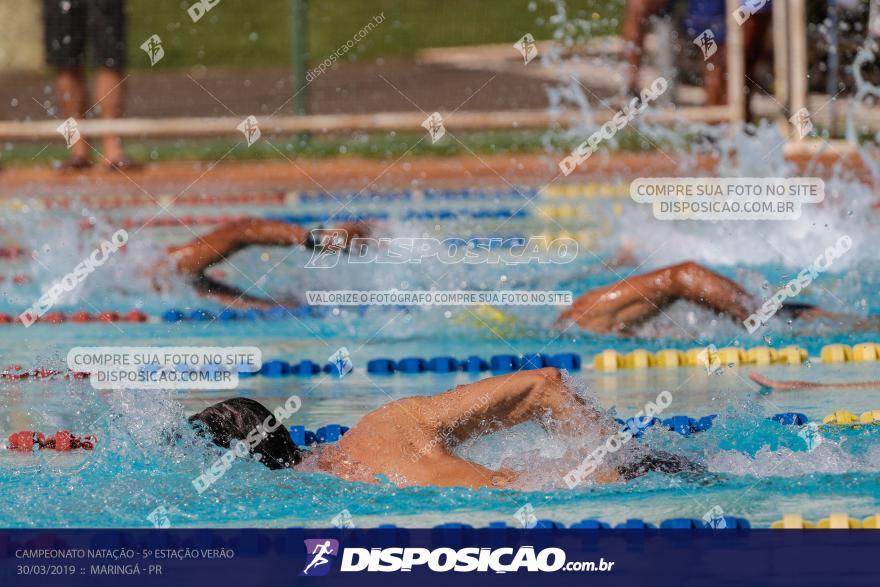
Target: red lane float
136, 316
108, 317
18, 373
63, 440
54, 317
13, 252
83, 317
148, 201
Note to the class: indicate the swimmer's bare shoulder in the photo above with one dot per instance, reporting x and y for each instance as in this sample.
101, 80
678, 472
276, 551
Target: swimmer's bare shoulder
403, 441
410, 441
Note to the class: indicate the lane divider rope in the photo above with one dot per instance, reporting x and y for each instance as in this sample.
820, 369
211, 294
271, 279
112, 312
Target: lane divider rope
837, 520
610, 360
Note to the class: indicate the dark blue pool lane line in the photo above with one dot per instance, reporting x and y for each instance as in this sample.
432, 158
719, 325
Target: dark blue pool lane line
416, 365
407, 215
686, 425
720, 523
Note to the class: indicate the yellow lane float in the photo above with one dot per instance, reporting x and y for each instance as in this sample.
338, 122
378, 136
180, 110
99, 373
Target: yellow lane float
832, 354
836, 521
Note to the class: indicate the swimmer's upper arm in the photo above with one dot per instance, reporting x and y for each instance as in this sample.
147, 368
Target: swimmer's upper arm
498, 402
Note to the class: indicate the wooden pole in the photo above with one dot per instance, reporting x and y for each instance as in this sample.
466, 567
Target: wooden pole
833, 80
299, 44
736, 68
781, 63
797, 34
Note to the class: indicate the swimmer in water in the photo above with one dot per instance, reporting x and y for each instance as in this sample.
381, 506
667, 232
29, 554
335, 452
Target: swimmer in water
622, 306
411, 441
197, 256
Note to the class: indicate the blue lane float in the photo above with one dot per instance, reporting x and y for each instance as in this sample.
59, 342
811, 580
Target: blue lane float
202, 316
305, 368
415, 365
472, 364
791, 418
172, 316
686, 425
228, 315
412, 365
533, 361
568, 361
269, 315
293, 313
325, 434
443, 364
729, 523
591, 525
634, 524
429, 195
504, 363
275, 369
381, 366
371, 215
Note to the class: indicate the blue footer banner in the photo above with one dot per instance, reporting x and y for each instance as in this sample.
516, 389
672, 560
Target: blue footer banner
240, 558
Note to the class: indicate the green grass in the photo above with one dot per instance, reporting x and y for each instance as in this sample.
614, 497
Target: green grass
249, 33
378, 146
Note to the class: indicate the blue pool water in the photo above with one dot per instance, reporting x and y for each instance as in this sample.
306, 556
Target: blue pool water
757, 469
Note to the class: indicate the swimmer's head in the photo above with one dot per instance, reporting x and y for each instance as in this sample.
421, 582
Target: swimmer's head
659, 461
234, 419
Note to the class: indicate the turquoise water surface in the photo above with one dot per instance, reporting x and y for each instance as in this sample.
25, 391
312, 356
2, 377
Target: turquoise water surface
147, 457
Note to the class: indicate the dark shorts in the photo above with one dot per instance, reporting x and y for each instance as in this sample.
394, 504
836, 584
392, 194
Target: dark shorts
69, 24
701, 15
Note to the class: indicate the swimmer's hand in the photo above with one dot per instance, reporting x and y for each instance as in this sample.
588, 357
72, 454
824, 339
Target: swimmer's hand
338, 238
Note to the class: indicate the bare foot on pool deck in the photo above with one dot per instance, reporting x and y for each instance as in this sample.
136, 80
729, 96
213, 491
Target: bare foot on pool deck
786, 385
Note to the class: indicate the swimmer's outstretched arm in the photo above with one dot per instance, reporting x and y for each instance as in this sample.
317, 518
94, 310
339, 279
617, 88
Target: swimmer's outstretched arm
620, 306
206, 250
782, 384
507, 400
412, 437
195, 257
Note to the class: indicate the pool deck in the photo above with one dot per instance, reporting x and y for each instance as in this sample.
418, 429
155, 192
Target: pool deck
363, 175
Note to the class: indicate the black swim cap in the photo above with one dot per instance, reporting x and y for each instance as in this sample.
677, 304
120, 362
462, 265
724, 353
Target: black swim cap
233, 419
660, 461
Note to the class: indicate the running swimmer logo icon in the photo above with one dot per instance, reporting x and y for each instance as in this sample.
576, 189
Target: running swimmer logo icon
327, 245
318, 551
